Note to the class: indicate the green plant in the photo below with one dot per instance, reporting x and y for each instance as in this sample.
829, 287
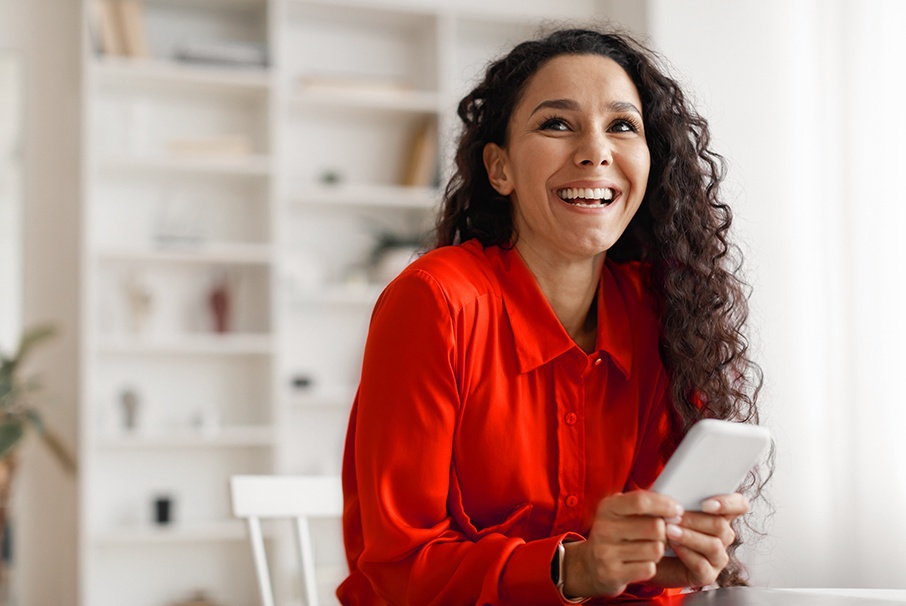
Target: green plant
18, 408
386, 240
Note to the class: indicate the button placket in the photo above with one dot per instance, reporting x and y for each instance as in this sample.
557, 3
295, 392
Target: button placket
571, 439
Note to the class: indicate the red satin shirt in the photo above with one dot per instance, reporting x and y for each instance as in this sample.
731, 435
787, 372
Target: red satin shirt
482, 435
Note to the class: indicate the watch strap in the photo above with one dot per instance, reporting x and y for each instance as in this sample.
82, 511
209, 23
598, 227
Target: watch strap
557, 574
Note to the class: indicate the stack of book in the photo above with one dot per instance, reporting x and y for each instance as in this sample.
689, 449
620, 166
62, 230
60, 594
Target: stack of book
421, 165
120, 27
223, 53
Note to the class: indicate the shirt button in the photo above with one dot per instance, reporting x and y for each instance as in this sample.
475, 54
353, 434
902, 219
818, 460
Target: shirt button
571, 418
572, 500
598, 362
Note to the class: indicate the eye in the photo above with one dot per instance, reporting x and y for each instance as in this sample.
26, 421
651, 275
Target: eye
625, 125
554, 123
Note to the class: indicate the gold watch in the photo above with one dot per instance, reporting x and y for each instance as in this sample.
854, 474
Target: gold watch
558, 576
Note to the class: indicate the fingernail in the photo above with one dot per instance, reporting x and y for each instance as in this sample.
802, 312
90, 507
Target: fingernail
674, 520
678, 511
674, 531
710, 506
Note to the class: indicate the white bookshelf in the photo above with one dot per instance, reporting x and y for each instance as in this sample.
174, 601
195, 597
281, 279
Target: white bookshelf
184, 438
301, 171
365, 196
251, 166
113, 71
335, 294
203, 253
180, 167
211, 532
419, 102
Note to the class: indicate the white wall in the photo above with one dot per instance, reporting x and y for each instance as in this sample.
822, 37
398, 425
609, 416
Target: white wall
9, 22
10, 176
46, 499
797, 103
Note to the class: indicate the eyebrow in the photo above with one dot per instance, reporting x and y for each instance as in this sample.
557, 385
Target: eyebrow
571, 105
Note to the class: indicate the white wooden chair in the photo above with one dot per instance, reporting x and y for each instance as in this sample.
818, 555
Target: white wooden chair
288, 497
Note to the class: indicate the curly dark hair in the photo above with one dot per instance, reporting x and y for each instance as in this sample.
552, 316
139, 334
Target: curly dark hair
682, 229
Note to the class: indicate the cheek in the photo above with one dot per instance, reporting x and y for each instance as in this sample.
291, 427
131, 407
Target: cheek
641, 162
539, 159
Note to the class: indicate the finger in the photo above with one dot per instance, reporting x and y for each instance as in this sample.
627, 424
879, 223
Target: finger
731, 505
716, 526
639, 572
623, 563
617, 580
633, 552
699, 571
636, 528
707, 546
640, 502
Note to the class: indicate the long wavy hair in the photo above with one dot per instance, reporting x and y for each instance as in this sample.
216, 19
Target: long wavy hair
682, 230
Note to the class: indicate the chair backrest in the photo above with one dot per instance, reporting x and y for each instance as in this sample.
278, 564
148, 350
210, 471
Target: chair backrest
289, 497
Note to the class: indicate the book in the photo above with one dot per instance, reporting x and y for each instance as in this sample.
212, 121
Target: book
105, 12
226, 54
211, 147
421, 165
93, 19
132, 27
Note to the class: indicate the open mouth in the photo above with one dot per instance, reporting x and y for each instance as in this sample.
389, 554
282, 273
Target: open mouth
587, 196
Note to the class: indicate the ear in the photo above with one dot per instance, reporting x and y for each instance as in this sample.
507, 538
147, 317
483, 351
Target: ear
495, 162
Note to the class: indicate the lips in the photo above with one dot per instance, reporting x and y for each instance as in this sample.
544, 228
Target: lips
587, 196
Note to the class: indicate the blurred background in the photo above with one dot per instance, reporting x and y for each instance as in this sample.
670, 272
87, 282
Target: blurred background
205, 197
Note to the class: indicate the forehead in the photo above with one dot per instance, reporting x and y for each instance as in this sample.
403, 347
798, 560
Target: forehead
588, 79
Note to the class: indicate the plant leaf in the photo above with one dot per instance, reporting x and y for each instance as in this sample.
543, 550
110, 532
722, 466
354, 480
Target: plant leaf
60, 451
11, 432
32, 337
35, 418
6, 375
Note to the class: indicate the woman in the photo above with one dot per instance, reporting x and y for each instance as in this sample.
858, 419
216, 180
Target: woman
524, 382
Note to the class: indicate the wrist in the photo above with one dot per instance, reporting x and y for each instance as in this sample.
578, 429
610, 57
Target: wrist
570, 578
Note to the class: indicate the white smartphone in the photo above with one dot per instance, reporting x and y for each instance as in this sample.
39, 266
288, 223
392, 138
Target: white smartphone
712, 459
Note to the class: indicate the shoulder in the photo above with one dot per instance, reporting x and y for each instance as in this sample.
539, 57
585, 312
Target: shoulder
459, 273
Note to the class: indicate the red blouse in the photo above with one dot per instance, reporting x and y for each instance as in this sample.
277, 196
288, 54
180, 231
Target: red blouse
482, 435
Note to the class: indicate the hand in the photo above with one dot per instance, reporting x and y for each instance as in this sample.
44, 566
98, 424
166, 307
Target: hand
627, 540
700, 541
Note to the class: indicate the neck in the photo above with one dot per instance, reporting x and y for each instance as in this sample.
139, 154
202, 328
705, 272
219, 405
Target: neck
570, 287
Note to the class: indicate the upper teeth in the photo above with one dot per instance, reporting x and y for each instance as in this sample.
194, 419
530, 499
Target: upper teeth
587, 193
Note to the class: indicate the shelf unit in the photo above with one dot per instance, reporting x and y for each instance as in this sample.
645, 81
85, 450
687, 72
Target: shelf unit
273, 184
181, 260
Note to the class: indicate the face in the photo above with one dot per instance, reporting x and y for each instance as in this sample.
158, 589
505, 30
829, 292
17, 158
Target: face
576, 162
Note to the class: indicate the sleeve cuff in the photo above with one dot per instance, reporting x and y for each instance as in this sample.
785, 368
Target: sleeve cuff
527, 576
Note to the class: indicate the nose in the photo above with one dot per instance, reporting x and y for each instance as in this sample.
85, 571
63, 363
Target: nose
594, 149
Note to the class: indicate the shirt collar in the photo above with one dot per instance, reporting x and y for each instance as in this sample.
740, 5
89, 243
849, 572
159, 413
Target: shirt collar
531, 314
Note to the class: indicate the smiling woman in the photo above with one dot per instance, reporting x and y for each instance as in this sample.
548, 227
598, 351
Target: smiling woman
572, 133
524, 382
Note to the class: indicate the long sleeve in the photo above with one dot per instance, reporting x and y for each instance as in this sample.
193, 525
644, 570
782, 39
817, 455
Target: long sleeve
482, 435
406, 415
